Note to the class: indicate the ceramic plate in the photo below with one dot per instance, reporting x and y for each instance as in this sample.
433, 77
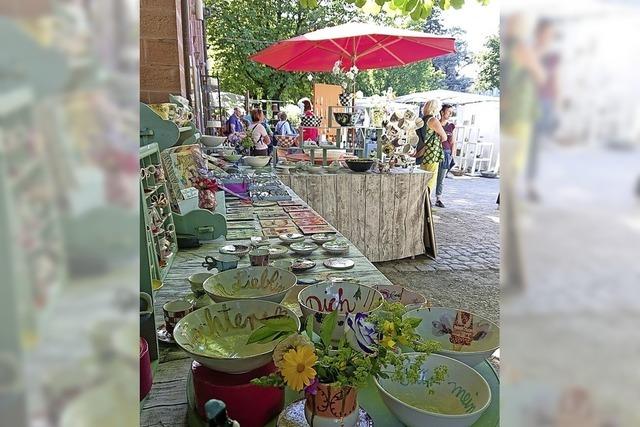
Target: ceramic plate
259, 241
263, 203
300, 265
284, 264
293, 416
291, 237
303, 247
336, 247
238, 250
323, 237
277, 250
339, 263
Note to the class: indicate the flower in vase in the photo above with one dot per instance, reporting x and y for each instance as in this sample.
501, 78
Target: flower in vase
388, 341
337, 67
290, 343
350, 75
297, 369
361, 334
313, 387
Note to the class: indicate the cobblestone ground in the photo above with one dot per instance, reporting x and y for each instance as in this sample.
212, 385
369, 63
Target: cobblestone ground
466, 271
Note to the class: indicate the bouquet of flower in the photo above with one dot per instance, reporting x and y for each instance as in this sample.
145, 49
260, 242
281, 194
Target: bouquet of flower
346, 77
370, 345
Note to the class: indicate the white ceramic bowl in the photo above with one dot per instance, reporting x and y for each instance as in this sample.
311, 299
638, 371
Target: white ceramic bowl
212, 141
257, 161
438, 323
197, 280
336, 247
252, 283
397, 293
291, 237
320, 299
303, 248
457, 402
216, 335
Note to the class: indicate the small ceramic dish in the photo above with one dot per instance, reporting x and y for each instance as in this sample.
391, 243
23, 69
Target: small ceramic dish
284, 264
323, 238
237, 250
259, 241
197, 280
300, 265
339, 263
335, 247
397, 293
315, 169
303, 248
277, 250
291, 237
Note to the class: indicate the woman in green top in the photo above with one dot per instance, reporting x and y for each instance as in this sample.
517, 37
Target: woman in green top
429, 152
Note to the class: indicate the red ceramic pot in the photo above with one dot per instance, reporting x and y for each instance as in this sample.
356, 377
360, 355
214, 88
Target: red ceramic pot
248, 404
146, 377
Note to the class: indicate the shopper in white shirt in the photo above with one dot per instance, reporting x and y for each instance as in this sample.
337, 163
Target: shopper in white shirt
259, 134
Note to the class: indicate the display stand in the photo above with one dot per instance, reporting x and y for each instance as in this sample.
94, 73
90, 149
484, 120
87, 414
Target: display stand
154, 266
34, 263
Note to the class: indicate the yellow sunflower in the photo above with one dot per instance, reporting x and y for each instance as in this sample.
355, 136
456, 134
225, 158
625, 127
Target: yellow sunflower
297, 367
291, 342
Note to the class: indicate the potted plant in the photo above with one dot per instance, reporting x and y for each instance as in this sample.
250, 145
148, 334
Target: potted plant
331, 375
347, 80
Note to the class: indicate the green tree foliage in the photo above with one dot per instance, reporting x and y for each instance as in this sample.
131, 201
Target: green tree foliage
489, 76
450, 64
240, 28
417, 77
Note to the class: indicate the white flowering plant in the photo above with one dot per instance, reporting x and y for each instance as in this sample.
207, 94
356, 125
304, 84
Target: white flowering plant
347, 78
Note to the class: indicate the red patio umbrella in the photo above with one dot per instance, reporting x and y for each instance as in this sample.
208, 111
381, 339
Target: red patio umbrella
367, 46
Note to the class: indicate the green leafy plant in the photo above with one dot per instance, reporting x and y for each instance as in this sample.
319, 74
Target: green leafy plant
371, 347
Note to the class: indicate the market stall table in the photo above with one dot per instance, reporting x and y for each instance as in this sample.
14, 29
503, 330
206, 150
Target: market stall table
171, 400
386, 216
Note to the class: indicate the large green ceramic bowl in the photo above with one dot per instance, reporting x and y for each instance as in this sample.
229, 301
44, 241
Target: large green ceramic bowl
457, 402
216, 335
250, 283
464, 336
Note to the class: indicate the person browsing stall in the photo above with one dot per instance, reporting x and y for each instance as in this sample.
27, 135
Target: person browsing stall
283, 127
233, 123
447, 148
429, 151
261, 140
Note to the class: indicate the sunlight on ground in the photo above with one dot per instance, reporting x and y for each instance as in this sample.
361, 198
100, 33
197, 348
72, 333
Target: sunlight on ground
495, 219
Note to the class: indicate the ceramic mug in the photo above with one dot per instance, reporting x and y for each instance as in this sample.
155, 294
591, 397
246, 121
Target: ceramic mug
259, 257
146, 305
174, 311
221, 262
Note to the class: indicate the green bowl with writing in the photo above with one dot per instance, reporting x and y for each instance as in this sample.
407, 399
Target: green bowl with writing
458, 401
216, 335
250, 283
